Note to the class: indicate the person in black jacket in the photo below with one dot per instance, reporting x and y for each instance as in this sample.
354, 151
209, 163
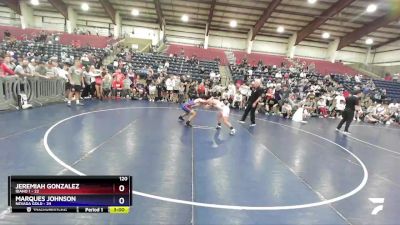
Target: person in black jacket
348, 112
252, 102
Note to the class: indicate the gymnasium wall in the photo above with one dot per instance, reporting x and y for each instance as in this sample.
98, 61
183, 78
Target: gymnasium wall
184, 35
387, 55
271, 45
261, 44
49, 21
311, 50
352, 55
228, 40
134, 29
9, 17
95, 25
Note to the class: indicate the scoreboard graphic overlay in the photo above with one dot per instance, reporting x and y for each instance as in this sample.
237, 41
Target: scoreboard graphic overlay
69, 194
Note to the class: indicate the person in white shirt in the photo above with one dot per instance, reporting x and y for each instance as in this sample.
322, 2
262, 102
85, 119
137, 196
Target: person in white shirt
244, 90
357, 79
395, 77
339, 98
32, 65
217, 77
278, 74
223, 113
85, 60
212, 75
231, 90
170, 87
225, 94
340, 105
250, 72
115, 64
300, 115
152, 91
62, 72
176, 86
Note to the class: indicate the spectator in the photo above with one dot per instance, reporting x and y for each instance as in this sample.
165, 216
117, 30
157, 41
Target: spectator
152, 91
23, 69
75, 76
5, 70
98, 84
127, 87
395, 77
322, 109
169, 83
212, 75
41, 70
51, 70
107, 82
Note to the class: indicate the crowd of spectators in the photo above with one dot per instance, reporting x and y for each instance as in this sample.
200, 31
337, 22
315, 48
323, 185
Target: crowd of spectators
293, 86
288, 87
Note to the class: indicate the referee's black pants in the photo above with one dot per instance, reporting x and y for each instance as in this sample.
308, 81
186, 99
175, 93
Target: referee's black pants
252, 111
347, 118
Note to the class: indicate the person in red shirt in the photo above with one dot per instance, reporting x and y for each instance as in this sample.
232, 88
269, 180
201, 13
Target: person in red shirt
201, 89
118, 75
4, 70
117, 86
346, 93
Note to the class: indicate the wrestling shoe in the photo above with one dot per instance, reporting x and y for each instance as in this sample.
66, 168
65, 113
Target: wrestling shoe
233, 132
241, 121
188, 124
252, 125
181, 118
346, 133
218, 127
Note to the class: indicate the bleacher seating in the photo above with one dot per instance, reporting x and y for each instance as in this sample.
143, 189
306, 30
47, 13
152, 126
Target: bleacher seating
177, 66
49, 50
347, 84
322, 67
392, 88
326, 67
253, 58
201, 53
65, 38
18, 33
85, 40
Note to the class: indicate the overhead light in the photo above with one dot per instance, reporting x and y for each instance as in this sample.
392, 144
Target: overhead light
371, 8
85, 6
369, 41
35, 2
280, 29
135, 12
185, 18
233, 23
326, 35
311, 1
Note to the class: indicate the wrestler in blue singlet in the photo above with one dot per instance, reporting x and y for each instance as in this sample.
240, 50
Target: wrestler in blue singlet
187, 107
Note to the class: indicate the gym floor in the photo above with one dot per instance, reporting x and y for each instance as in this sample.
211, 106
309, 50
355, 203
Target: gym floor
278, 172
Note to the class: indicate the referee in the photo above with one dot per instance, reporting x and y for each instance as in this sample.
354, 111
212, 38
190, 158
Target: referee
255, 97
348, 113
